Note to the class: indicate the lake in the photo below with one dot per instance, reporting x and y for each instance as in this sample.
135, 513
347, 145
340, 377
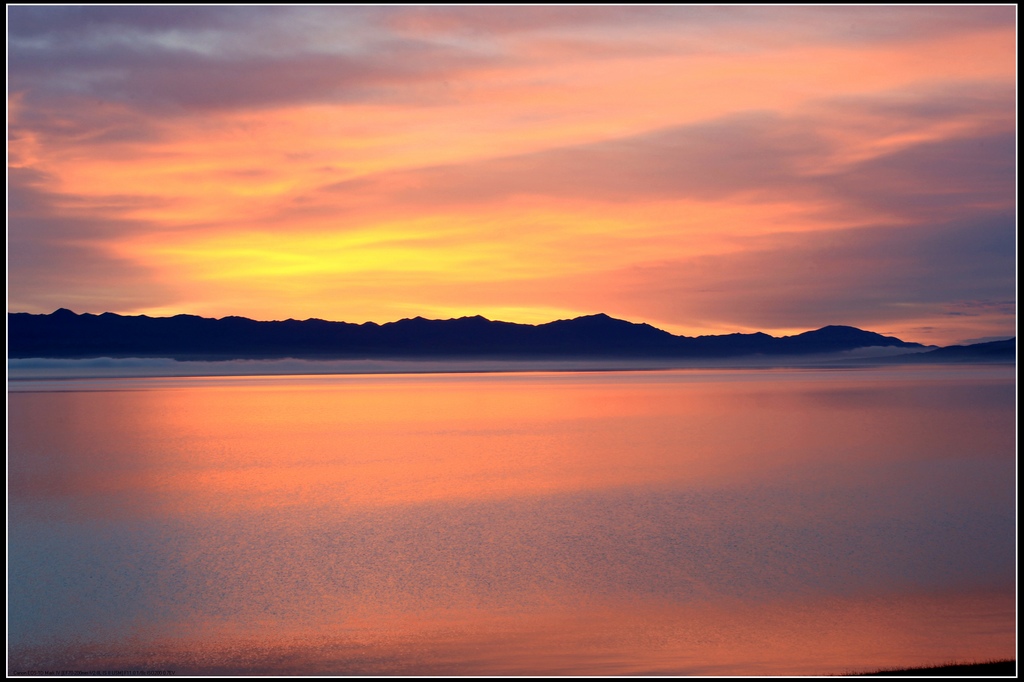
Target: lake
676, 522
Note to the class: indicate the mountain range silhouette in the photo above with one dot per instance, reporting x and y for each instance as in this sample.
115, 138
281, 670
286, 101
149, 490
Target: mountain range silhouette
65, 334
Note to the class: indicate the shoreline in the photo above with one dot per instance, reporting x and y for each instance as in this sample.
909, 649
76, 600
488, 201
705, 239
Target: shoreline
996, 668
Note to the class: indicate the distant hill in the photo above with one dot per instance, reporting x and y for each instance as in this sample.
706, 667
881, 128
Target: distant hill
992, 351
65, 334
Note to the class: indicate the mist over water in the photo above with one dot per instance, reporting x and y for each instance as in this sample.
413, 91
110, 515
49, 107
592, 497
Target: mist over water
103, 367
665, 522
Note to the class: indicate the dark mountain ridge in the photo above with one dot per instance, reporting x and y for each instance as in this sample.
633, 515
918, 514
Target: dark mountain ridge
65, 334
1002, 351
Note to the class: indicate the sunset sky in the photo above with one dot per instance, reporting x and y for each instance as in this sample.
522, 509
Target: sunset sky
703, 169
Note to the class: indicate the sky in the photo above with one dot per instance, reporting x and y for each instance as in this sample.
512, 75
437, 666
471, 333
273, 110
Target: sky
707, 170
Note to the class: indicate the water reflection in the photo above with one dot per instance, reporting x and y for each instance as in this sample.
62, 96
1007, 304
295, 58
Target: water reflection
675, 522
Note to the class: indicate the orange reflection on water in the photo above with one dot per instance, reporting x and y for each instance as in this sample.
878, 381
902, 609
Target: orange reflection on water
228, 444
697, 522
638, 637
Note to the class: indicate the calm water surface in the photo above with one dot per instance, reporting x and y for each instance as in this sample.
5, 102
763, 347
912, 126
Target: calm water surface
672, 522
